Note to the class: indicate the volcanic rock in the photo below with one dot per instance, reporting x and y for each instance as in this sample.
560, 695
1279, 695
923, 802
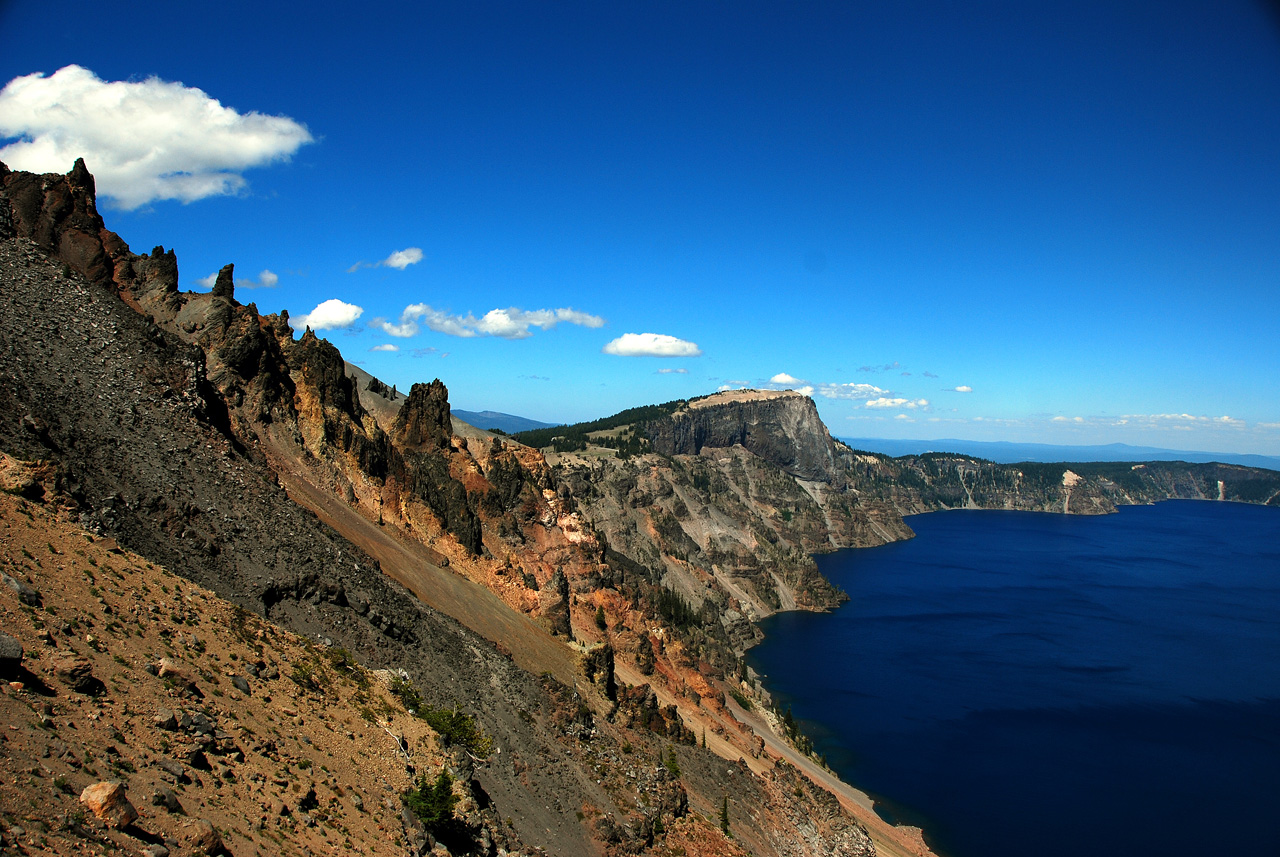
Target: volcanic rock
108, 802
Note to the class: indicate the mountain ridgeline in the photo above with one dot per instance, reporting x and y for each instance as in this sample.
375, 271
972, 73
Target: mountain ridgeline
585, 593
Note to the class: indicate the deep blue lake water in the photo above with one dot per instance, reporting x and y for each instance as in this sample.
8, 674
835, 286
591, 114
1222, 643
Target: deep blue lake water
1021, 683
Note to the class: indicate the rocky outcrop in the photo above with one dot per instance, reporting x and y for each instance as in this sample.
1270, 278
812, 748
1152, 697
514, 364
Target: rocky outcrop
782, 428
109, 802
59, 213
423, 422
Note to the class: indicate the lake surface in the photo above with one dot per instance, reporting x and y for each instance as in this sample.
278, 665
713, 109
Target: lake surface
1020, 683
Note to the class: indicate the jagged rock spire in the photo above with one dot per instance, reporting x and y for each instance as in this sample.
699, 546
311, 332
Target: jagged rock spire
225, 286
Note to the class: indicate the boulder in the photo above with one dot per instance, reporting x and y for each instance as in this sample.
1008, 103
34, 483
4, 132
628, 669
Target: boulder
26, 594
204, 837
108, 802
77, 673
10, 654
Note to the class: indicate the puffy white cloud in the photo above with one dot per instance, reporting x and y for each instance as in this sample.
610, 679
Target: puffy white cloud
784, 378
884, 402
850, 391
651, 345
510, 323
963, 388
142, 140
386, 346
329, 315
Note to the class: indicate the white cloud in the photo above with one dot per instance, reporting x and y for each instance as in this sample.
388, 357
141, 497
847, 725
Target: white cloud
402, 259
142, 140
963, 388
510, 323
784, 378
850, 391
266, 280
329, 315
583, 319
651, 345
673, 371
904, 417
883, 402
386, 346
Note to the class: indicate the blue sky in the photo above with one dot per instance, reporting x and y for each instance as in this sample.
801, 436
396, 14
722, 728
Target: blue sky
1052, 222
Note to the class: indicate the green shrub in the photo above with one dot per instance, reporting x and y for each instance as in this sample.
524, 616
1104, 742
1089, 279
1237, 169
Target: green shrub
433, 802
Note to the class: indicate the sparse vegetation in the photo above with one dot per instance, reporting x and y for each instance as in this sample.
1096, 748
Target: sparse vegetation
433, 801
452, 725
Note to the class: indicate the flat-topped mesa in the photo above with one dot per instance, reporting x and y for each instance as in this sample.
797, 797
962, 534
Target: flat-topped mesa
780, 426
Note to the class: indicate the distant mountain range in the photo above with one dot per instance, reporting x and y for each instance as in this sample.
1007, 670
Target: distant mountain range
493, 419
1005, 452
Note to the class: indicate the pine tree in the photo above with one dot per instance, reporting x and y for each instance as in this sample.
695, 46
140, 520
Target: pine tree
724, 816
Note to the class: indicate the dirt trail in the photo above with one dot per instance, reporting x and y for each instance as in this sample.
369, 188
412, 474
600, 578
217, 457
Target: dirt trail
531, 647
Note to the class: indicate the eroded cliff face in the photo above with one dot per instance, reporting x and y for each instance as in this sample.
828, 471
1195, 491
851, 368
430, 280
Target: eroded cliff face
782, 428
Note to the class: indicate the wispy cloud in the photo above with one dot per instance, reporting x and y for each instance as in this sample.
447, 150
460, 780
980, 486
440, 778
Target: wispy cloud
673, 371
887, 367
329, 315
651, 345
266, 280
143, 140
911, 404
786, 381
400, 259
930, 375
850, 391
510, 323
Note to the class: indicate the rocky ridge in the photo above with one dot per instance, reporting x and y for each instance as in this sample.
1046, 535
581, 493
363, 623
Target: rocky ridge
170, 421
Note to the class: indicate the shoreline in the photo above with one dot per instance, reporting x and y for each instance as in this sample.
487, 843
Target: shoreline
891, 840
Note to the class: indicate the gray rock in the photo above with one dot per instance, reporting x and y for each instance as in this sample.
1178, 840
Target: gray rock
26, 594
10, 653
166, 798
240, 683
